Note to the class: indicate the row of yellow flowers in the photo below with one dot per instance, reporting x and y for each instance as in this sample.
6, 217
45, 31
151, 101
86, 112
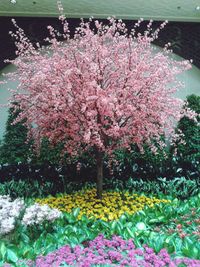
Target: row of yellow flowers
111, 207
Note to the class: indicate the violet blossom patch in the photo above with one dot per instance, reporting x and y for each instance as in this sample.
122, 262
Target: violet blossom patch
114, 252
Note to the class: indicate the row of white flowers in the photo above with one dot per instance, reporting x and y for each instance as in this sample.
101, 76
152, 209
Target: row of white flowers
37, 214
10, 211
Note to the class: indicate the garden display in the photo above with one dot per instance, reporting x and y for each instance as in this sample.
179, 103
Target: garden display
162, 232
99, 98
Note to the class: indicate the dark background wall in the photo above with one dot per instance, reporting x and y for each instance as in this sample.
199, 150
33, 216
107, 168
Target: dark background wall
184, 36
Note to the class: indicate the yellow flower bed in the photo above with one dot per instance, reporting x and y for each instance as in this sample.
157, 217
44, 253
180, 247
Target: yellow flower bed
111, 207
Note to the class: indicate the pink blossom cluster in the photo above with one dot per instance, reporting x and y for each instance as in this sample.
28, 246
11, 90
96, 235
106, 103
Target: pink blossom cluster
105, 88
114, 252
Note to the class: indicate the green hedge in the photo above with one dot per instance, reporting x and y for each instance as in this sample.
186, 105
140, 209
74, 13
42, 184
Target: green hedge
14, 147
188, 154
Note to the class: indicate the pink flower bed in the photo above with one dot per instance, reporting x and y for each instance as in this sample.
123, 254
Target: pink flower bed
115, 252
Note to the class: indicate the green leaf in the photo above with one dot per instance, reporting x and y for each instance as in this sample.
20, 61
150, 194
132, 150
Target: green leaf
70, 218
73, 240
25, 252
141, 212
159, 219
186, 252
122, 218
104, 224
2, 251
195, 253
11, 256
113, 225
170, 248
76, 212
137, 242
31, 253
25, 238
169, 238
130, 232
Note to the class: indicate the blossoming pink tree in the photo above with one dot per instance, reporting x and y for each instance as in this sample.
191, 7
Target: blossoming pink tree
105, 88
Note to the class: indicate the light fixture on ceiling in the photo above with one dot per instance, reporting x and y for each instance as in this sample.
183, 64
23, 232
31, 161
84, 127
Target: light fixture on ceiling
13, 1
198, 8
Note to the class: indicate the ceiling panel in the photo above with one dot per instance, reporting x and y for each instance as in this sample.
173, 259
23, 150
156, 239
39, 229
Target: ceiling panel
173, 10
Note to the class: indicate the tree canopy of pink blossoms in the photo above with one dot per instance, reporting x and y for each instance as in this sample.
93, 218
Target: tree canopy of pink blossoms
105, 88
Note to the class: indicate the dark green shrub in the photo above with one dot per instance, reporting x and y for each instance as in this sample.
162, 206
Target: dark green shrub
26, 189
14, 147
48, 154
165, 163
188, 155
146, 165
178, 187
34, 188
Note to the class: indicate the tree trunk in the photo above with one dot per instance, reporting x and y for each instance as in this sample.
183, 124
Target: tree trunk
99, 159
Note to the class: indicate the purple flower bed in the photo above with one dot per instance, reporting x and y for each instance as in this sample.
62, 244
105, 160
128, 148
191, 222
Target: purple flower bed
115, 252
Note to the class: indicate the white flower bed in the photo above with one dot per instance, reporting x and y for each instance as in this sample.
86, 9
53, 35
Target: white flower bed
9, 212
35, 214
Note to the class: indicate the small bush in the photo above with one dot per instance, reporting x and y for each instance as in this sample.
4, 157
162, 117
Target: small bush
188, 155
14, 147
